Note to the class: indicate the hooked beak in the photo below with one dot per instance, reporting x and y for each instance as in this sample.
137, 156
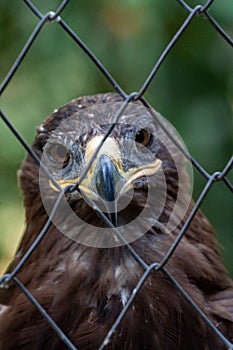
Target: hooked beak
108, 183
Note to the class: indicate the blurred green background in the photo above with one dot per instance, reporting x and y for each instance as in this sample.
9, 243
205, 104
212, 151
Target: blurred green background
193, 88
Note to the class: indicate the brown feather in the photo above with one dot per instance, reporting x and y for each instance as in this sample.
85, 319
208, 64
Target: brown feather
85, 288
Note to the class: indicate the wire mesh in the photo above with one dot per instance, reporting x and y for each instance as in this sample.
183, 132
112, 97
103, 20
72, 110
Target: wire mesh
211, 179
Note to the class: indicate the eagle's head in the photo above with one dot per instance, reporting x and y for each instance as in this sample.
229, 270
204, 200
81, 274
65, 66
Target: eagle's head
133, 179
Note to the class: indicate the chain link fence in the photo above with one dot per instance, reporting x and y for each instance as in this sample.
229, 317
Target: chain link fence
210, 179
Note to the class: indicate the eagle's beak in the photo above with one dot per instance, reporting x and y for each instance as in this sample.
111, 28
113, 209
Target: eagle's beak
106, 178
108, 181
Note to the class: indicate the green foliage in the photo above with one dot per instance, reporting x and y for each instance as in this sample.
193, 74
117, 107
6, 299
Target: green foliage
193, 87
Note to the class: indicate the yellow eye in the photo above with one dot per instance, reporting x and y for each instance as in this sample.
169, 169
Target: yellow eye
59, 154
143, 137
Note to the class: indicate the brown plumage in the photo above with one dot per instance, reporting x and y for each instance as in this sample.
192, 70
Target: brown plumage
84, 282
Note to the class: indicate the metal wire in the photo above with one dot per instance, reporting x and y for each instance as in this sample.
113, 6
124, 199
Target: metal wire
52, 16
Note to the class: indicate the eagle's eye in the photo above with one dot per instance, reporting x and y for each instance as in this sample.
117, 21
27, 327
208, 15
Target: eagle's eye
143, 137
59, 154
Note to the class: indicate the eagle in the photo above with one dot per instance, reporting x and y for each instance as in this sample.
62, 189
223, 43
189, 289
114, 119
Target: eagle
121, 183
